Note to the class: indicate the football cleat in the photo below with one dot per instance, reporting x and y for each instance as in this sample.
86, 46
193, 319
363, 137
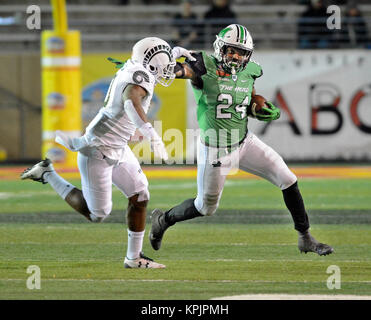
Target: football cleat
158, 228
307, 243
142, 262
38, 171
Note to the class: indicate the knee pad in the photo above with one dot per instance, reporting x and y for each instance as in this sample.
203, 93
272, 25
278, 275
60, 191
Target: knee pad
143, 195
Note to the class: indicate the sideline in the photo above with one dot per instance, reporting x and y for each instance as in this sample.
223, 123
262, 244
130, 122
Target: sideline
174, 172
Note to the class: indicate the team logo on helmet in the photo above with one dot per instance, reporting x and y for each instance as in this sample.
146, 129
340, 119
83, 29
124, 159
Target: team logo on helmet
155, 55
155, 50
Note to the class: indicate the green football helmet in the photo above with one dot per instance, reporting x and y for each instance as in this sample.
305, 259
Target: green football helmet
237, 36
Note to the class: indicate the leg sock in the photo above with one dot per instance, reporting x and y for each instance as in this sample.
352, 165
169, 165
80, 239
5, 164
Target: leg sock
135, 244
184, 211
61, 186
294, 202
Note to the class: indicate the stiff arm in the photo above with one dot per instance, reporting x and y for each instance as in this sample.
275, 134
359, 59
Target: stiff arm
193, 71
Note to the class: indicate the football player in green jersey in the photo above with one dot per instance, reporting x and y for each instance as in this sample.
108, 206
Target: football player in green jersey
223, 85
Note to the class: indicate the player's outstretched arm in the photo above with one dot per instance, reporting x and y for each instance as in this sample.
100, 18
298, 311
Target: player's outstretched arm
193, 68
184, 71
179, 52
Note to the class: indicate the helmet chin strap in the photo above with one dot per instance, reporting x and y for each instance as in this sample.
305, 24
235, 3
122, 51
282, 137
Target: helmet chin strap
229, 66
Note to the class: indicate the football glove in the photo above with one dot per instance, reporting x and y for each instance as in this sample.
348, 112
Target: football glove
269, 113
181, 52
159, 149
157, 146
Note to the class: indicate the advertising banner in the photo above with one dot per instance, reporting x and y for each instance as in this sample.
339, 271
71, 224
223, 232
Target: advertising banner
61, 89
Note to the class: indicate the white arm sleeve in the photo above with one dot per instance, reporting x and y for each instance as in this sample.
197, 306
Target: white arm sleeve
133, 114
144, 127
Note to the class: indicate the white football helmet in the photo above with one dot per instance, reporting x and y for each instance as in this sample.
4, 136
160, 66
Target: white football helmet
236, 36
155, 55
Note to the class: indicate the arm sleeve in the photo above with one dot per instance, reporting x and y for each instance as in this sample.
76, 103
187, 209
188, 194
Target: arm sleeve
145, 128
133, 114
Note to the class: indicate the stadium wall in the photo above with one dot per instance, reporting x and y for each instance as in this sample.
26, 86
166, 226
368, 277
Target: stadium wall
20, 105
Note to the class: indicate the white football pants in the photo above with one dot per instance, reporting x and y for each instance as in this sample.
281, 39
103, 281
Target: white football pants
98, 173
253, 156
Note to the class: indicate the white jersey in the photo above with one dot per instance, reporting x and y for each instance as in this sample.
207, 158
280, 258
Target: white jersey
111, 129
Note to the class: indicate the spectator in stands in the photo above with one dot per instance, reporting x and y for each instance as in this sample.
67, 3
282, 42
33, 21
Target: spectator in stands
216, 18
353, 31
312, 29
185, 27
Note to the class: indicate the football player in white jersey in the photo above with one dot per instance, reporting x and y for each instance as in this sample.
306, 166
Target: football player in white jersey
104, 158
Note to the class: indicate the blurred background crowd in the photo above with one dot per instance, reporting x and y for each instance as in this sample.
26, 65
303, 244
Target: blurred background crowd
117, 24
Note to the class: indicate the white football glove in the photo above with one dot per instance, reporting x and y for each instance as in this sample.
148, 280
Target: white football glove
181, 52
159, 150
157, 145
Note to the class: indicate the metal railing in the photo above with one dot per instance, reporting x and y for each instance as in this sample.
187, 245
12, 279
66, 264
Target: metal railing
119, 27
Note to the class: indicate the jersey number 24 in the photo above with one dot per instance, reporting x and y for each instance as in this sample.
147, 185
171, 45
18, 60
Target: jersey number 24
227, 100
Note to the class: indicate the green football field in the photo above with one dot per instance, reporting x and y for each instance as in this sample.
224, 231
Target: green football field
248, 247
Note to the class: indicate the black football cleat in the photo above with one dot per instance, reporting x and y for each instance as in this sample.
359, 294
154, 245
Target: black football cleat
159, 226
307, 243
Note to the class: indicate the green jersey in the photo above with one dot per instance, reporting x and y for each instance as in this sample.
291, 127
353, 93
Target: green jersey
222, 101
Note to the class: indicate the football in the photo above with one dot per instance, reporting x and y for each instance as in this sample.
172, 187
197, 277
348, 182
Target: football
256, 104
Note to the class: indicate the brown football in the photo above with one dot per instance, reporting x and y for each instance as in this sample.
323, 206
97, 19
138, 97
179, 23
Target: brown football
257, 103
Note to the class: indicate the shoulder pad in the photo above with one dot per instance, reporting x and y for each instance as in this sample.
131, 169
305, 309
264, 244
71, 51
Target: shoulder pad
137, 73
254, 61
254, 69
139, 76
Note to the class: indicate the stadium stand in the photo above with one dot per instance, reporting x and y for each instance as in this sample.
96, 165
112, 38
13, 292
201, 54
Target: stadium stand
116, 26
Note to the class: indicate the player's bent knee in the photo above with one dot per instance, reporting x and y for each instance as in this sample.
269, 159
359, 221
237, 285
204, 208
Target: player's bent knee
136, 202
96, 219
208, 211
143, 195
210, 204
98, 215
288, 180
